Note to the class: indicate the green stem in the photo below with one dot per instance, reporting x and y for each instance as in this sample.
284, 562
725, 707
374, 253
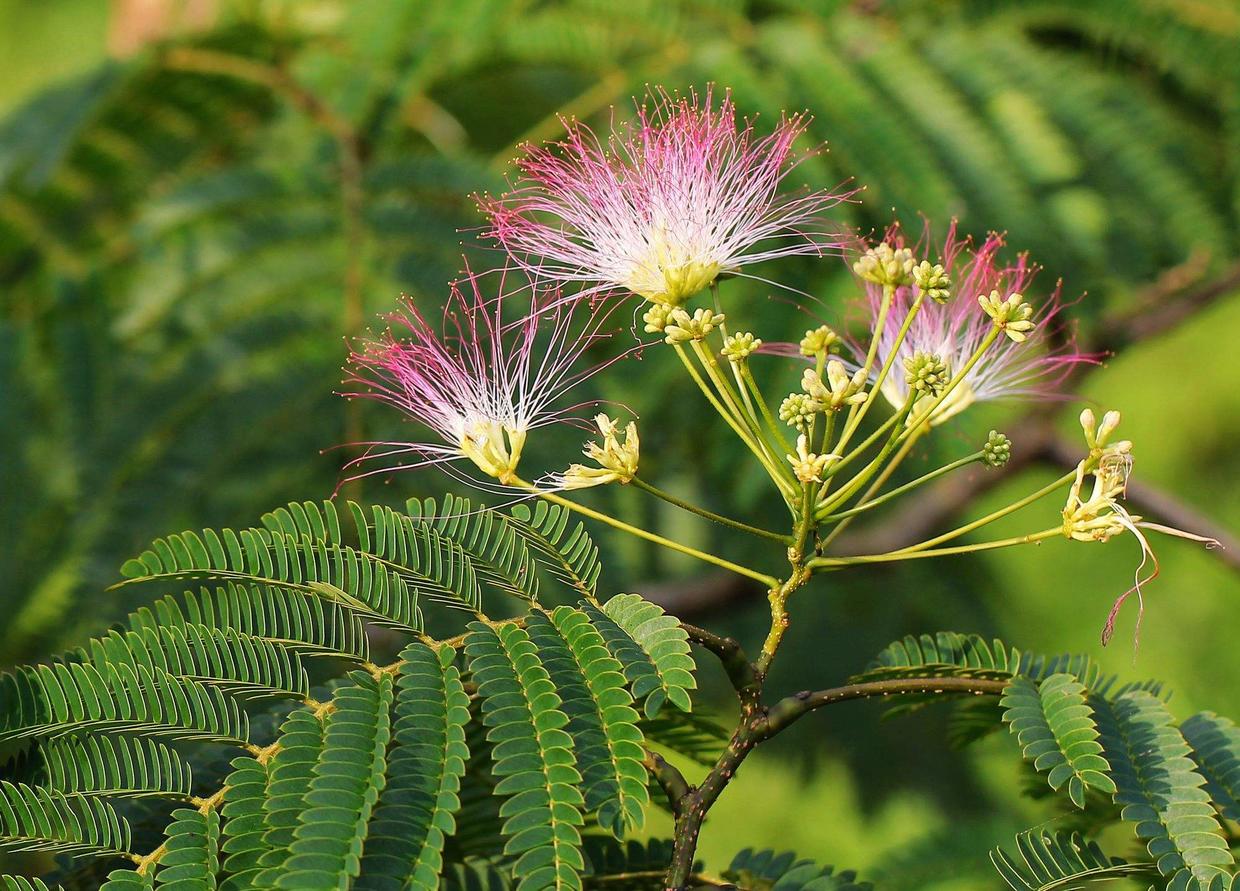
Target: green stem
907, 487
883, 430
894, 556
747, 375
709, 515
854, 420
875, 486
650, 536
870, 469
775, 474
991, 517
733, 400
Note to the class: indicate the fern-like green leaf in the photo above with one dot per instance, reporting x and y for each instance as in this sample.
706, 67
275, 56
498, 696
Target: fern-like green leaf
129, 880
1055, 727
501, 555
651, 646
533, 757
245, 823
562, 547
626, 866
239, 662
348, 777
37, 819
476, 875
417, 807
1216, 750
99, 764
602, 721
191, 857
1160, 790
20, 883
1050, 861
766, 870
303, 622
62, 697
692, 734
289, 774
362, 580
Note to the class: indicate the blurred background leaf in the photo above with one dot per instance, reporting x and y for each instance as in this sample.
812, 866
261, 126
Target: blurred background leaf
198, 199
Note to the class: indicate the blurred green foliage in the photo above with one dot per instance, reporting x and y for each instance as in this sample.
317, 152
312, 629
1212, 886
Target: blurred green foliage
185, 236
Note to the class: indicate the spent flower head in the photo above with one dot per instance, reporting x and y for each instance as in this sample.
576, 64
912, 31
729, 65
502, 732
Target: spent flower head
955, 330
1096, 512
664, 206
491, 371
615, 460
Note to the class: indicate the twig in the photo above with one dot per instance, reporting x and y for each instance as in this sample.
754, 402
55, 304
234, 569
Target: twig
788, 710
731, 656
669, 778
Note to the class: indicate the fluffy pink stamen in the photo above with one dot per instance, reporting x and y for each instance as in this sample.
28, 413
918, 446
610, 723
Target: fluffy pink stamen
684, 186
504, 360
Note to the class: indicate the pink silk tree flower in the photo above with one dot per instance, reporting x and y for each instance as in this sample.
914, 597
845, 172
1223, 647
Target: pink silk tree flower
952, 327
670, 202
494, 369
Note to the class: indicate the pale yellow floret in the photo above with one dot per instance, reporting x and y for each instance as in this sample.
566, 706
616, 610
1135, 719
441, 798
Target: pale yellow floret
493, 446
616, 460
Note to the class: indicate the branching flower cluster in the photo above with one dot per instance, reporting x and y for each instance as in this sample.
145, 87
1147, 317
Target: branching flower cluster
658, 212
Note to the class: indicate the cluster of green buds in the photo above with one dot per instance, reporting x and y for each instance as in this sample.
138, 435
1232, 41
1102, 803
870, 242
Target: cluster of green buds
1011, 315
616, 459
819, 341
885, 265
682, 327
739, 347
997, 451
932, 280
798, 409
926, 374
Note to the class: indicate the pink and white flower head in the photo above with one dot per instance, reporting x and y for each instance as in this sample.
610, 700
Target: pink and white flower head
494, 369
952, 327
669, 203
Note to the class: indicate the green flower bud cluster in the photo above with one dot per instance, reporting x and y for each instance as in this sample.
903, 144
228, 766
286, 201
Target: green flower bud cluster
933, 281
682, 327
738, 347
926, 373
885, 265
1013, 316
819, 341
998, 449
798, 409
